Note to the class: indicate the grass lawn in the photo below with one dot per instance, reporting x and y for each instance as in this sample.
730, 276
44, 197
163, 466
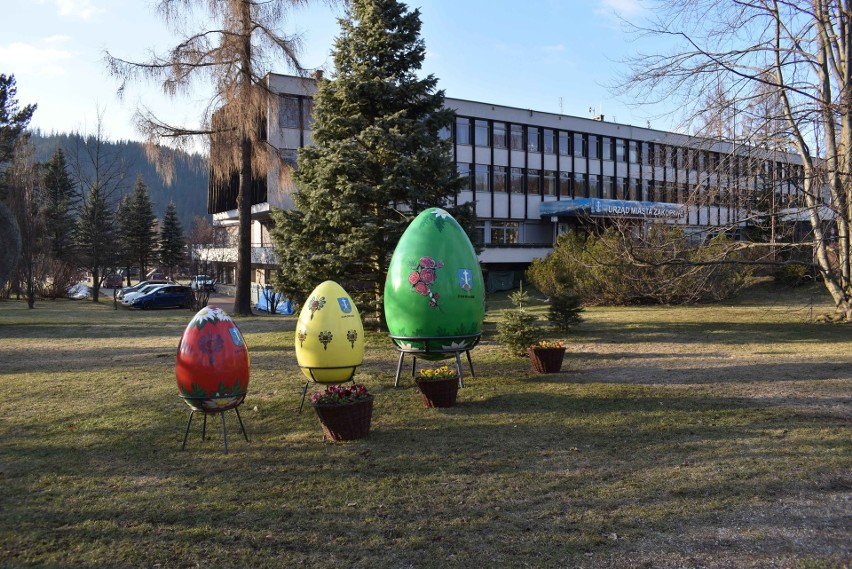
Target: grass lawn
708, 436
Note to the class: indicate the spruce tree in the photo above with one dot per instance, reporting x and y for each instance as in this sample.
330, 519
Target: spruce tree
95, 236
124, 217
376, 162
62, 198
138, 232
13, 120
171, 240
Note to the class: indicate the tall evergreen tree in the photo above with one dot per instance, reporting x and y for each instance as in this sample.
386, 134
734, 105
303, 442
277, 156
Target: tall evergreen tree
61, 197
138, 231
377, 158
125, 218
172, 250
95, 236
13, 121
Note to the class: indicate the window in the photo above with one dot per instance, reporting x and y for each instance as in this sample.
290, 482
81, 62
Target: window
533, 139
547, 141
533, 182
498, 136
479, 233
648, 153
634, 189
659, 155
608, 188
516, 135
648, 190
674, 158
288, 111
581, 145
480, 133
499, 173
713, 195
564, 185
564, 144
462, 130
517, 181
307, 113
549, 183
607, 149
713, 163
289, 157
480, 178
621, 188
594, 187
594, 147
620, 154
690, 159
633, 152
464, 172
505, 232
580, 186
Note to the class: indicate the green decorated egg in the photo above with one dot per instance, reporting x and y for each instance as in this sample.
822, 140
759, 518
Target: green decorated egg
434, 293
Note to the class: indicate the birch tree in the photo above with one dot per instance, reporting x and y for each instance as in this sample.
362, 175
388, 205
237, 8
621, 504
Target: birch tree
801, 50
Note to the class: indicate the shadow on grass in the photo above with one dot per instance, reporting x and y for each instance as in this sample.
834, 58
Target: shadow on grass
711, 332
497, 479
755, 373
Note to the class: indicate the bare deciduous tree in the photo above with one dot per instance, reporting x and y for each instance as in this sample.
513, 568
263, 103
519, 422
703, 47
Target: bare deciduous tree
101, 173
235, 55
798, 52
27, 200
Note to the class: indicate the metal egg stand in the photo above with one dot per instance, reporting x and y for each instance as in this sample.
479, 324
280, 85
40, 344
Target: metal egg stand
335, 382
196, 405
426, 350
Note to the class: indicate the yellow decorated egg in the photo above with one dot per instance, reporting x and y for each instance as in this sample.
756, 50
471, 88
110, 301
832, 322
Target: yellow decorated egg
329, 335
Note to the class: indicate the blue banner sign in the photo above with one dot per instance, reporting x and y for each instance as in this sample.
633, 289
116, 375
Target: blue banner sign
613, 208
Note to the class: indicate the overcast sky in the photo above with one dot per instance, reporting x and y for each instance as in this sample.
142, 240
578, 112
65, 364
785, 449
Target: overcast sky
545, 55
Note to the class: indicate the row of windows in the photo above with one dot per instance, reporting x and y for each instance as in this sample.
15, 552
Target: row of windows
536, 139
297, 113
483, 178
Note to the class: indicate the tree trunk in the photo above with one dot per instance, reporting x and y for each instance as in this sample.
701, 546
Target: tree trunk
96, 284
242, 295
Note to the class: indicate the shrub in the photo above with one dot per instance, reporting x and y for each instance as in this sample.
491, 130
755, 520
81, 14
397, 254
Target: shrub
565, 304
661, 268
792, 275
518, 328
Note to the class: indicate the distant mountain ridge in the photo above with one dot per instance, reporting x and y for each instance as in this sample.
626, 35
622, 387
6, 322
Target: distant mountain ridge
188, 188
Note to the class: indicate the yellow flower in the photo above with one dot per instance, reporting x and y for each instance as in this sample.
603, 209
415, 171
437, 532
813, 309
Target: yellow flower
548, 344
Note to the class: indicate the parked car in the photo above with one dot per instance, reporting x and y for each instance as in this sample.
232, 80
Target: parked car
137, 286
202, 282
113, 280
147, 289
169, 296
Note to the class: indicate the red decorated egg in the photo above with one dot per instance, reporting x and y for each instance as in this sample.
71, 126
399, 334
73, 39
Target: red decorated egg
212, 362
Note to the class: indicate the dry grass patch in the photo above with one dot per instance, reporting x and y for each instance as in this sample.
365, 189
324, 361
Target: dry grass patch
675, 437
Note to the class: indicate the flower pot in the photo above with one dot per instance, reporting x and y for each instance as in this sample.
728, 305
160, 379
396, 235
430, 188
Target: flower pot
345, 422
438, 392
546, 360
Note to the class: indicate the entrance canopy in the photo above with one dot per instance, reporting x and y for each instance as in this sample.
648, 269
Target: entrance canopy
594, 207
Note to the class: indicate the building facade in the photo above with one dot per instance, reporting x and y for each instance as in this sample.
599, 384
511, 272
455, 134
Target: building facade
534, 175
